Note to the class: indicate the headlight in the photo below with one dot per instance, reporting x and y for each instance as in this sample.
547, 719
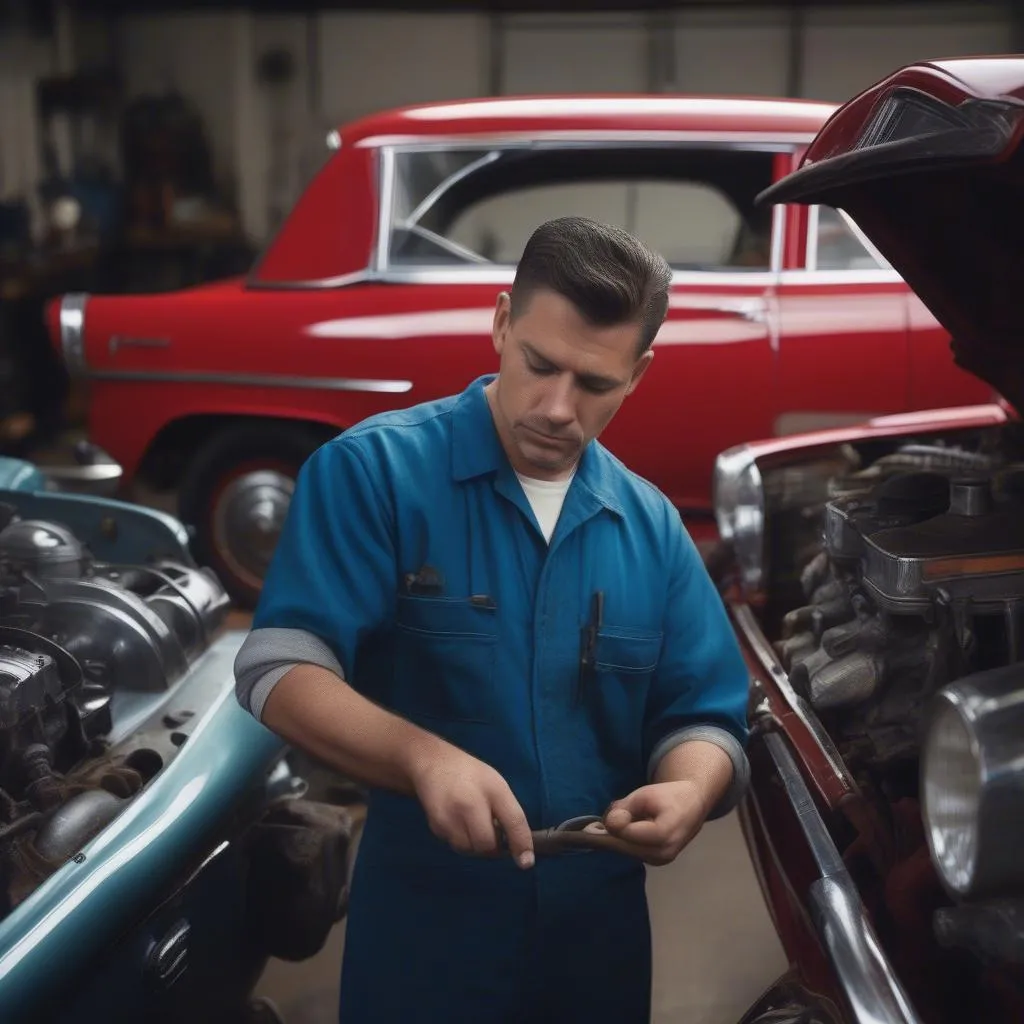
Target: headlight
972, 783
739, 509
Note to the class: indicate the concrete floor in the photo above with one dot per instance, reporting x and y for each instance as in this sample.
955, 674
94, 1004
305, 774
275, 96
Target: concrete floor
715, 949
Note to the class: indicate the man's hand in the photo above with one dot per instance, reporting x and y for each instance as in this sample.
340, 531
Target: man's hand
658, 820
463, 798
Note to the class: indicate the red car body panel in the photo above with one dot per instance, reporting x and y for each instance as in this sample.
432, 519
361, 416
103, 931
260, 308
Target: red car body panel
743, 354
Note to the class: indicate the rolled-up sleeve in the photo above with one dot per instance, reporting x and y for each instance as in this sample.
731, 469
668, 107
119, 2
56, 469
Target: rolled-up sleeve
331, 579
700, 688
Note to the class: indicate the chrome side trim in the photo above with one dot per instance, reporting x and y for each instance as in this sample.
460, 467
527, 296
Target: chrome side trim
251, 380
503, 274
363, 276
385, 211
775, 142
779, 218
72, 331
824, 277
751, 631
868, 981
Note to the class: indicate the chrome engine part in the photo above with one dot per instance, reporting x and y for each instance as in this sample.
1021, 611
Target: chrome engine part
137, 626
87, 652
920, 580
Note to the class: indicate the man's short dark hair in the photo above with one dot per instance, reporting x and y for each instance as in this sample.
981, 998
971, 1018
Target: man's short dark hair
608, 275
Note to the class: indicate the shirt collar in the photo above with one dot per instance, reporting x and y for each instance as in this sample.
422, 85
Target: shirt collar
477, 450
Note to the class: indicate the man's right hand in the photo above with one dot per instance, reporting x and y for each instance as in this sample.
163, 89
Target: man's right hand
463, 798
316, 710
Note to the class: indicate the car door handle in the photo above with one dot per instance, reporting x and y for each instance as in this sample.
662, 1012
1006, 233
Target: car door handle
752, 311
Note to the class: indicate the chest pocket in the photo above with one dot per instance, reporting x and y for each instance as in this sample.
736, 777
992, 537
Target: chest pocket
619, 650
445, 651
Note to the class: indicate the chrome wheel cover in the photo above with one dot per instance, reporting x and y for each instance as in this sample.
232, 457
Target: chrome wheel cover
247, 520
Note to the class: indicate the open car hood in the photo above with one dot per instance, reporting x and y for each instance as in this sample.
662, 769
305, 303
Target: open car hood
928, 162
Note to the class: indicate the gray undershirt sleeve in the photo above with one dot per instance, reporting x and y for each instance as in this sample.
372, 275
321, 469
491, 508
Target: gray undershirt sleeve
720, 737
266, 656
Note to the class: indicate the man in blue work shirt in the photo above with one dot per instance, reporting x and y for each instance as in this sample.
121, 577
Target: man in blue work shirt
479, 612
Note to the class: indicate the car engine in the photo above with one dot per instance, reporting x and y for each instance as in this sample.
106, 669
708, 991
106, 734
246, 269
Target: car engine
87, 650
920, 580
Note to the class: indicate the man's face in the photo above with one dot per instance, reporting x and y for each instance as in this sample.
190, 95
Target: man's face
561, 381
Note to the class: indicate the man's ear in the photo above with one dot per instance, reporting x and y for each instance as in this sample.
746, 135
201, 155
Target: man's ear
640, 369
502, 319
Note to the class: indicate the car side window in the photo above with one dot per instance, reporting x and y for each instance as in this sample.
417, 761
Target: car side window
836, 245
695, 205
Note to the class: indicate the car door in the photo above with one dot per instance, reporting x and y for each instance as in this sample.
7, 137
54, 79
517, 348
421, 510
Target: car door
842, 320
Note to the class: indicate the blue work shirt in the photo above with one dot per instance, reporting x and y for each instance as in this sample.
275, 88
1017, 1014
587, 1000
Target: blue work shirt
484, 647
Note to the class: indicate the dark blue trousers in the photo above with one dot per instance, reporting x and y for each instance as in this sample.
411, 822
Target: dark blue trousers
480, 942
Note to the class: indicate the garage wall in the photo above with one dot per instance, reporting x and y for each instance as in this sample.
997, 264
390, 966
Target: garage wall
735, 53
199, 56
267, 141
847, 50
24, 58
573, 53
373, 61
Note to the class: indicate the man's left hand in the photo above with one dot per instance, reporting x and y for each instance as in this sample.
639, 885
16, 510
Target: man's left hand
657, 821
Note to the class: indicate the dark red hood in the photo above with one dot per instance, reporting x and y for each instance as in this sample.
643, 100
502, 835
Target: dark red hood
929, 164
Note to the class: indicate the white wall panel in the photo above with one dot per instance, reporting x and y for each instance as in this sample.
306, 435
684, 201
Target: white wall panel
848, 50
738, 53
574, 53
369, 62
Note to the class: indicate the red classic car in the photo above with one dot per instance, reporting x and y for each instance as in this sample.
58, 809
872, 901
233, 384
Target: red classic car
875, 576
379, 289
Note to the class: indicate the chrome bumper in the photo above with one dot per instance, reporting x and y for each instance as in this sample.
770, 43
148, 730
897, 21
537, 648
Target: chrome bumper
867, 981
872, 991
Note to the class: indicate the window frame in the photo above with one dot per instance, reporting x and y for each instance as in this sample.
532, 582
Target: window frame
811, 250
382, 269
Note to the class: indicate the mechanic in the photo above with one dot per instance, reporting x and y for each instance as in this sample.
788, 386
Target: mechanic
481, 614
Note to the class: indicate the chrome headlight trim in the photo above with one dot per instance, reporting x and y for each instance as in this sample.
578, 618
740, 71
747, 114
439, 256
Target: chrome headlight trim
972, 783
739, 504
72, 332
951, 786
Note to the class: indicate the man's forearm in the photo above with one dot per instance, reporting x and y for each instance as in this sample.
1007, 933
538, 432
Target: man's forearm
314, 709
702, 763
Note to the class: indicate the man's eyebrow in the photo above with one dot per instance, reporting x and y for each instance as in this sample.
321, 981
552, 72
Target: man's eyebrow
534, 354
592, 380
589, 380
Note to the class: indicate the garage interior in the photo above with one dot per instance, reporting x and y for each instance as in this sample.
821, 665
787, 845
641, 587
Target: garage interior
98, 99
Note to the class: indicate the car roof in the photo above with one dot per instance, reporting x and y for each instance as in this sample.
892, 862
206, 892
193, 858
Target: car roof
630, 113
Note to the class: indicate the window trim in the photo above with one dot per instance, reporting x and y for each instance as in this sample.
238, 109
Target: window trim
884, 272
494, 273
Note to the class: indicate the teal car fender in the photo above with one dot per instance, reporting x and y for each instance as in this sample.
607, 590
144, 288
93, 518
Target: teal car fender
161, 836
18, 475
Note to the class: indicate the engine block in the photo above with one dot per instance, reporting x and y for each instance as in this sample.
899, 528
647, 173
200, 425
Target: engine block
87, 651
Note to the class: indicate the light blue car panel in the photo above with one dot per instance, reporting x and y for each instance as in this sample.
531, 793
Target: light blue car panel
114, 531
98, 896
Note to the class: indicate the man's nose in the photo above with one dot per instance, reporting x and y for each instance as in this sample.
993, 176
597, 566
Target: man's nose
559, 405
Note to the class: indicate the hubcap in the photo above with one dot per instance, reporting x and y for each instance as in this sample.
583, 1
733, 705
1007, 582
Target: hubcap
247, 520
